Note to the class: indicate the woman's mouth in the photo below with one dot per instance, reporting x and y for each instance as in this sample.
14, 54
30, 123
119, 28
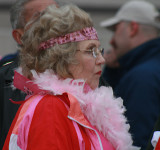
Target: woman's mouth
99, 73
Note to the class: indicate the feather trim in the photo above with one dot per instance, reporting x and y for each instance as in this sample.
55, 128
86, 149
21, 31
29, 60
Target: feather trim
101, 108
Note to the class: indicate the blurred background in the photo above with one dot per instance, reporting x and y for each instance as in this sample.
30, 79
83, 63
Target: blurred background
98, 9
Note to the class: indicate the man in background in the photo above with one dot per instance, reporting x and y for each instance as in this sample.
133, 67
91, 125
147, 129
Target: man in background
21, 12
133, 65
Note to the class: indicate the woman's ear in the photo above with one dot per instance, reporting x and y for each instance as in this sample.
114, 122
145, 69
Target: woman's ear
134, 27
17, 35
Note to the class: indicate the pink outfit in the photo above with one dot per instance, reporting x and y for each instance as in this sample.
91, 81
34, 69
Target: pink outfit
98, 111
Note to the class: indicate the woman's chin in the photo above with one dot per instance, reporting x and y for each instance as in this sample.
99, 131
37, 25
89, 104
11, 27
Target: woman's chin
94, 85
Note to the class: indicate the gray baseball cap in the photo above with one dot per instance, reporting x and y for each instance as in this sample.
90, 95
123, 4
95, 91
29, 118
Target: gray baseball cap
136, 10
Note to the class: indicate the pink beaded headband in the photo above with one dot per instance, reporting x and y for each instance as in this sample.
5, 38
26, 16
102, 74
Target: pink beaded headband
88, 33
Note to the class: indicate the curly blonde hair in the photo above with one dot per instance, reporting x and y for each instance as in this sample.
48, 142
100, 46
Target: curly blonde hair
52, 23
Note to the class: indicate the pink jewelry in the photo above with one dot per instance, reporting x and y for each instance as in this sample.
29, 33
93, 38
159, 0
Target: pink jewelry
88, 33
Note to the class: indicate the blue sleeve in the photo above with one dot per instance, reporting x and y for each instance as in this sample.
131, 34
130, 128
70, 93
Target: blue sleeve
140, 91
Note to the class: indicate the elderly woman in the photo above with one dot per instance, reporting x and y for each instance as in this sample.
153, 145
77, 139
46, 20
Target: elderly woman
60, 69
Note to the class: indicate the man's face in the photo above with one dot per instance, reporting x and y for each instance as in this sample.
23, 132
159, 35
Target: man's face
31, 8
120, 41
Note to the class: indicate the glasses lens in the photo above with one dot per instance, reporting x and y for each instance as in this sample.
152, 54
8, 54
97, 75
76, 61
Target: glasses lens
102, 51
97, 51
94, 52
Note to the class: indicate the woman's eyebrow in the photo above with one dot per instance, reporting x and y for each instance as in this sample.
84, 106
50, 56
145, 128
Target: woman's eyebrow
93, 44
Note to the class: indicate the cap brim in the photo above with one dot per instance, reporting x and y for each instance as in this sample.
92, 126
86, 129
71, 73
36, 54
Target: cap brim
109, 22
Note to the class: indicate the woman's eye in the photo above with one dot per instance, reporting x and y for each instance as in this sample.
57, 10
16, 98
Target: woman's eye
89, 51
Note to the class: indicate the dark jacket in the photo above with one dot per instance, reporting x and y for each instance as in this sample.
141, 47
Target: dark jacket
8, 58
138, 83
7, 108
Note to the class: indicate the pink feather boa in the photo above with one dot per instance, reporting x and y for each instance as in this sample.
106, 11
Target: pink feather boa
102, 109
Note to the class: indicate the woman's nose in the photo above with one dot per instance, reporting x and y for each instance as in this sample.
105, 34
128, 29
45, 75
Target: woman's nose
100, 60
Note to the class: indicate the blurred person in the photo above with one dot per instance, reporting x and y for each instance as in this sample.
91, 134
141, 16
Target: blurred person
21, 12
112, 70
17, 23
111, 59
136, 45
60, 67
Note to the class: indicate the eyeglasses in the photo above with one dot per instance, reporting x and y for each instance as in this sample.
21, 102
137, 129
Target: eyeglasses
95, 51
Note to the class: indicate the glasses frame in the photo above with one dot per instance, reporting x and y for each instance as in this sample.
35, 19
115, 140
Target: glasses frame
95, 51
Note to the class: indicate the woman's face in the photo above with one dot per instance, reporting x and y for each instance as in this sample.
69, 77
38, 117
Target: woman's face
88, 67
